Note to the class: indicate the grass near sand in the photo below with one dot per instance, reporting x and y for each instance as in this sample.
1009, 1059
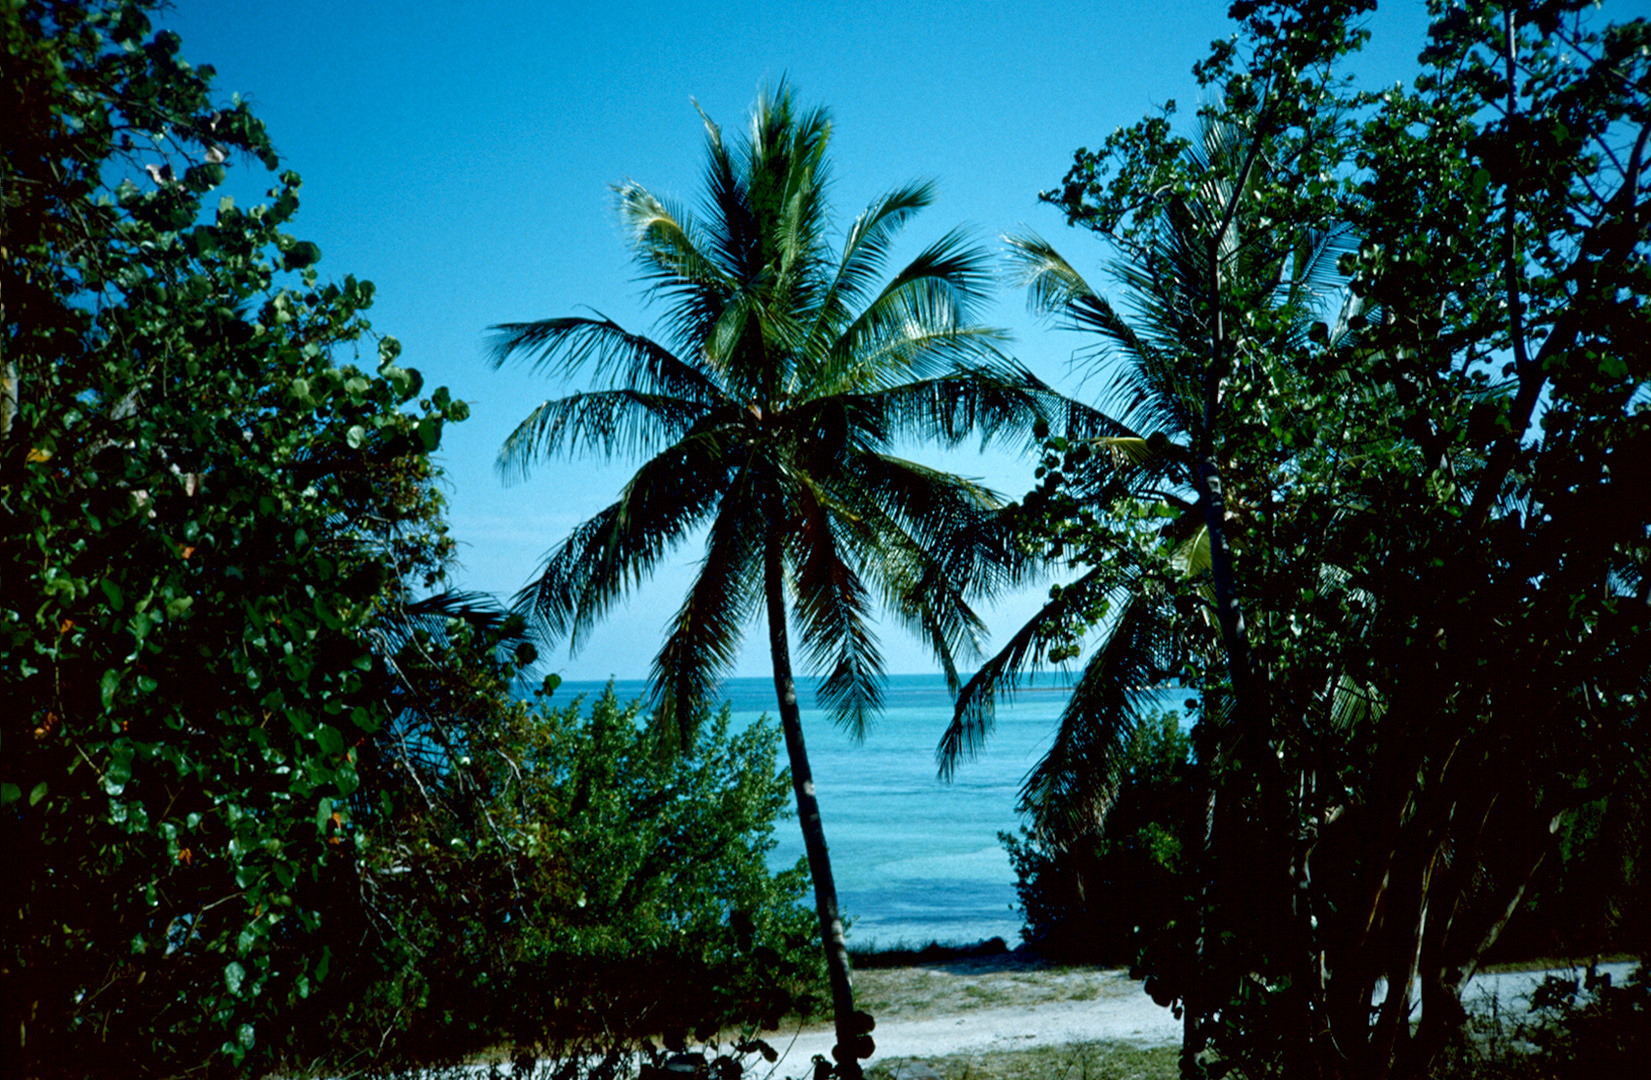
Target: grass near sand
911, 984
1076, 1061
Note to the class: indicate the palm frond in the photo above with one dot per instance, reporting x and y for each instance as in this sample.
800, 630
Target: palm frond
690, 281
606, 423
705, 634
921, 352
802, 257
620, 359
1146, 375
1078, 421
726, 208
398, 623
1072, 788
1312, 265
932, 299
662, 238
975, 711
833, 610
1001, 400
667, 498
1353, 705
1052, 285
931, 542
865, 253
947, 517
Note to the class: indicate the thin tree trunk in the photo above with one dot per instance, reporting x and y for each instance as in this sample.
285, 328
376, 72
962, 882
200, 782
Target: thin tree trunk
1193, 1034
808, 814
8, 397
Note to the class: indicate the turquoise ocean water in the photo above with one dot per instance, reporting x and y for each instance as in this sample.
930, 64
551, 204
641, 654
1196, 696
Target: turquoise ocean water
916, 859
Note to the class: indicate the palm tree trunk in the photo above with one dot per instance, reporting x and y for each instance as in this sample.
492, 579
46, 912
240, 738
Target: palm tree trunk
808, 814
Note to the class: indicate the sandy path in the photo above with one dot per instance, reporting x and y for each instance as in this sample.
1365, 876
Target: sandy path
1053, 1024
1008, 1003
998, 1003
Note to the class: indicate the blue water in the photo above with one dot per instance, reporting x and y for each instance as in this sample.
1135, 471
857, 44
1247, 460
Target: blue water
916, 859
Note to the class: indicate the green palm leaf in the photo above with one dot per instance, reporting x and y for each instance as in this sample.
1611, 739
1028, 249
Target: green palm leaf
703, 639
922, 321
833, 610
563, 348
606, 423
865, 253
997, 399
1070, 790
666, 500
975, 712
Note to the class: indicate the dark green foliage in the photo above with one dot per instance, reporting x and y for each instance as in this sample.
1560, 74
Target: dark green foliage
203, 504
932, 953
1593, 897
266, 810
561, 888
1569, 1028
1586, 1028
1102, 895
1376, 486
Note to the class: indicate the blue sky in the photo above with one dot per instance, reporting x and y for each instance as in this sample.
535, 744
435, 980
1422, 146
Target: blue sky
460, 156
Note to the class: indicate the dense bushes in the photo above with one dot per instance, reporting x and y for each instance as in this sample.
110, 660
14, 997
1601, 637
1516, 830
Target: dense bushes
1089, 898
564, 887
1374, 480
1567, 1028
266, 808
204, 503
1098, 897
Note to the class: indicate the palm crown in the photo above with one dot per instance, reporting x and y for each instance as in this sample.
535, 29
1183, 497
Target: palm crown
768, 411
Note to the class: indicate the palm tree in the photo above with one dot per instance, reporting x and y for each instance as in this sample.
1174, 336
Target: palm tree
1150, 456
767, 414
1143, 448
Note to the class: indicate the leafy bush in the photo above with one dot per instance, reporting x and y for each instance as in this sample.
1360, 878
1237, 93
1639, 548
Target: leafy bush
1576, 1029
564, 890
205, 505
1089, 898
270, 811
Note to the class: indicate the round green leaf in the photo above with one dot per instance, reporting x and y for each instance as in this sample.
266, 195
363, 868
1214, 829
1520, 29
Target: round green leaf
332, 742
299, 255
429, 432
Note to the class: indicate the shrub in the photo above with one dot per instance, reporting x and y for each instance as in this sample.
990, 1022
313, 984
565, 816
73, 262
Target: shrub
204, 505
1576, 1029
565, 890
1088, 898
